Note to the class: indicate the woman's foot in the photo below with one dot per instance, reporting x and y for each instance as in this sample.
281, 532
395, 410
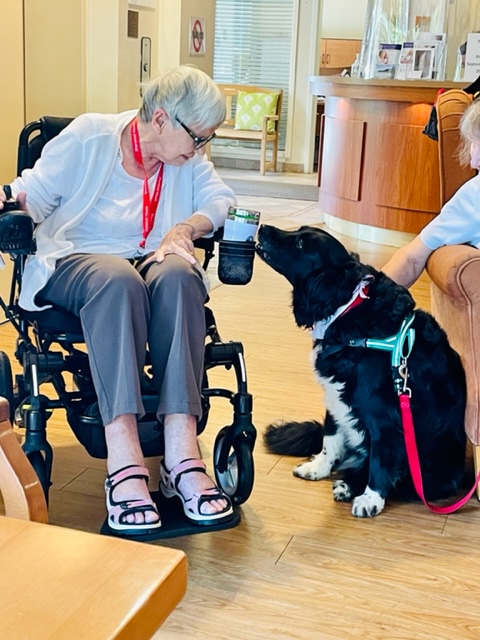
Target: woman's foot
202, 500
124, 452
127, 514
181, 444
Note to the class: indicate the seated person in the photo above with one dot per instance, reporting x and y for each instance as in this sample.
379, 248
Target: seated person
119, 200
459, 220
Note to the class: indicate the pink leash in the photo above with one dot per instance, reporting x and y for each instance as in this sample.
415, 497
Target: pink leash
401, 346
414, 464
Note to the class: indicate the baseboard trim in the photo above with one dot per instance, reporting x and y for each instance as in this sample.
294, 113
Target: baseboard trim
368, 233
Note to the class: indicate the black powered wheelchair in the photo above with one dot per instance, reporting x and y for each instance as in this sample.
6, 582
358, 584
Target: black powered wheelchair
49, 350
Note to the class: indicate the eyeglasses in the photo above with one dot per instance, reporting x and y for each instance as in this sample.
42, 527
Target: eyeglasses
197, 141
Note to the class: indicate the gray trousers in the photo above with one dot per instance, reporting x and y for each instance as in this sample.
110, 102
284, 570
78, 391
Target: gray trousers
123, 309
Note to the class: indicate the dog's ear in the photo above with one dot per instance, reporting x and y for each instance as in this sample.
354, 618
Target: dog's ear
307, 309
322, 292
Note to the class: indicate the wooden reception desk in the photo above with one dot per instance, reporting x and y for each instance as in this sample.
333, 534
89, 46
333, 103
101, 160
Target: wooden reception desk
376, 167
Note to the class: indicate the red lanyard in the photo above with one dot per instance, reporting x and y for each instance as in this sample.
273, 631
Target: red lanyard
149, 205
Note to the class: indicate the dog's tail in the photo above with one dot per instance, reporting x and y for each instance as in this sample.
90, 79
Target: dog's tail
294, 438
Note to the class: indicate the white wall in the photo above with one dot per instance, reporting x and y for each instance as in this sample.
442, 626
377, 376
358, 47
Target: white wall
302, 113
174, 33
112, 58
101, 55
54, 64
12, 100
110, 61
343, 18
129, 54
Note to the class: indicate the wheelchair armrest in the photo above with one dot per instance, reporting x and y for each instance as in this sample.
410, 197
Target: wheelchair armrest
207, 245
16, 230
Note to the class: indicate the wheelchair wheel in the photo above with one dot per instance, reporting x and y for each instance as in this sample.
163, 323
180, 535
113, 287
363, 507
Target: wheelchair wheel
6, 383
38, 463
237, 480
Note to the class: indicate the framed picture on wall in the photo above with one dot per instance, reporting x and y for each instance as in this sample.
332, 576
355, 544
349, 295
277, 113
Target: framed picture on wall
197, 36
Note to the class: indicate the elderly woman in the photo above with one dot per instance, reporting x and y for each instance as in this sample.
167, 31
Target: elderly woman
459, 220
119, 200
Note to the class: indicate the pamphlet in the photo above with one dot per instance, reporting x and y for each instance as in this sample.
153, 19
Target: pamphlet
437, 42
387, 60
405, 62
423, 59
472, 57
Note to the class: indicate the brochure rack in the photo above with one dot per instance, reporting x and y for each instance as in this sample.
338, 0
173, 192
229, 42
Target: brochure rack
421, 39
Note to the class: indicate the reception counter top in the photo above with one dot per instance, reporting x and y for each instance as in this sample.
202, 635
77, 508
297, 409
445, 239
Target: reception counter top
376, 167
376, 89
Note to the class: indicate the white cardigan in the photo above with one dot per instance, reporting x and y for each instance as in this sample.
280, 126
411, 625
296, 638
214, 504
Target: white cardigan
72, 173
459, 220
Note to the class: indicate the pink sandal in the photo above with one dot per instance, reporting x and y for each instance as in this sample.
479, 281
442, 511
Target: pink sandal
169, 481
118, 511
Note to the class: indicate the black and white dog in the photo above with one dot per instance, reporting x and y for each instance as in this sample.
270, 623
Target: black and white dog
343, 302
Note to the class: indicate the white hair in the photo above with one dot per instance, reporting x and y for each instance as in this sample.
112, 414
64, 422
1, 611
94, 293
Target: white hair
185, 93
469, 129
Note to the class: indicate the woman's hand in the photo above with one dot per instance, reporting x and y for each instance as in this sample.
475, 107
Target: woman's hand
178, 240
21, 199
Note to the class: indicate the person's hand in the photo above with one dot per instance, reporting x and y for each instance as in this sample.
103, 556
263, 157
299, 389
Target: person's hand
3, 197
21, 199
178, 240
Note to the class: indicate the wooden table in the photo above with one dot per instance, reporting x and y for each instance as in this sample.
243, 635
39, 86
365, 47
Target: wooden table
62, 584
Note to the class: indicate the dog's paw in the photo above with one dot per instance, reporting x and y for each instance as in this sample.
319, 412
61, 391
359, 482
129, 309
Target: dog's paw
367, 505
314, 469
342, 491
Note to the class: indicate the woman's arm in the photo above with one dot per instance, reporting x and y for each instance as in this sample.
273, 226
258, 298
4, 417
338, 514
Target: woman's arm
457, 223
406, 265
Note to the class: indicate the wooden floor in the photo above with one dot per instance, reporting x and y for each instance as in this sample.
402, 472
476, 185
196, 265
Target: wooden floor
299, 565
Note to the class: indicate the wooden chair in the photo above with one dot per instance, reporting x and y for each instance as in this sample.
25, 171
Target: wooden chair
228, 132
20, 487
454, 270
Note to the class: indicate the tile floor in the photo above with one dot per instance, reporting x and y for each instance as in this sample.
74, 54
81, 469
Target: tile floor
307, 179
283, 212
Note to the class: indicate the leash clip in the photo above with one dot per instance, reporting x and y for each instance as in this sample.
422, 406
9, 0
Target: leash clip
403, 373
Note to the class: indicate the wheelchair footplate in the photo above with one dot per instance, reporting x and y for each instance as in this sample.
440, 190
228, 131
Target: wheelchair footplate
174, 522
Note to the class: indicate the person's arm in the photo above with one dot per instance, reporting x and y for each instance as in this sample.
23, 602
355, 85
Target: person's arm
406, 265
197, 224
457, 223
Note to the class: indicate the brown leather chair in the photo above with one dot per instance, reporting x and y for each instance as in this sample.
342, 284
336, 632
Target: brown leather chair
451, 106
455, 270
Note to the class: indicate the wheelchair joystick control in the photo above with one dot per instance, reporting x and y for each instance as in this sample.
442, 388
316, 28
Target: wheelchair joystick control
16, 227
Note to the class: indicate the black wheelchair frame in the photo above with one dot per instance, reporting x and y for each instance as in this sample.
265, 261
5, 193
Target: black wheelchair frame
39, 331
